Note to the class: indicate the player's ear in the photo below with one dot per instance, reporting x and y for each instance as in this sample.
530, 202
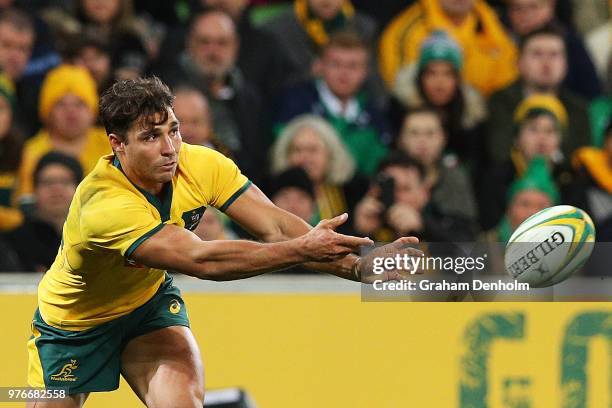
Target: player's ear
116, 142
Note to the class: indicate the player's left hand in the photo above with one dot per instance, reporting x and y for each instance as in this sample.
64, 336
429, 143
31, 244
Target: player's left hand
365, 264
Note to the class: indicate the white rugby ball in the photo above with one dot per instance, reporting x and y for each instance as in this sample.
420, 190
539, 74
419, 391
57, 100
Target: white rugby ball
550, 245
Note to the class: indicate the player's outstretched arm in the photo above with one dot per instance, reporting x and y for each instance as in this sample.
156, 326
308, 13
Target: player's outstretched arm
258, 215
178, 249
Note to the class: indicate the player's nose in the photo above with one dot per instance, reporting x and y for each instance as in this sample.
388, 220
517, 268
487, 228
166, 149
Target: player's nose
167, 147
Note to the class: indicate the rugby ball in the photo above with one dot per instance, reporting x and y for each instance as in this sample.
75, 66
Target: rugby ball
550, 245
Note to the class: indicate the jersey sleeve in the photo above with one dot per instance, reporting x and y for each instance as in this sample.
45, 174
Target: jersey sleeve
230, 183
218, 177
120, 224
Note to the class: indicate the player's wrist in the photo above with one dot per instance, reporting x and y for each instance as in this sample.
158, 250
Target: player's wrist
356, 269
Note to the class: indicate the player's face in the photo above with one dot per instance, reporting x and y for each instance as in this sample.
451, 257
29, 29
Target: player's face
440, 83
422, 137
539, 136
525, 204
344, 70
150, 157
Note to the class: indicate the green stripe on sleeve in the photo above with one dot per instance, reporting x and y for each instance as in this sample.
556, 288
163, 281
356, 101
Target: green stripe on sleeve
235, 195
142, 239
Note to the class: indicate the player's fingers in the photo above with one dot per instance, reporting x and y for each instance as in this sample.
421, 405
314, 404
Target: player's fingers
351, 240
400, 242
335, 222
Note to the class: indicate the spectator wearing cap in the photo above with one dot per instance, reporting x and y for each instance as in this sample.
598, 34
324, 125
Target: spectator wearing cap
542, 66
56, 177
593, 183
10, 154
435, 81
529, 15
540, 126
490, 54
534, 191
311, 143
68, 108
338, 95
293, 191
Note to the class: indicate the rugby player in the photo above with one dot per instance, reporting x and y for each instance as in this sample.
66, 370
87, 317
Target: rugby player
107, 306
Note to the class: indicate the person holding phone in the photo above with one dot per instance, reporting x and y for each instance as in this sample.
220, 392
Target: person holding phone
399, 202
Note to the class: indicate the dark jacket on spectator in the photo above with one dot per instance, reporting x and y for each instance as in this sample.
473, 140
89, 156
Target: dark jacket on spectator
36, 244
581, 74
260, 58
301, 51
238, 119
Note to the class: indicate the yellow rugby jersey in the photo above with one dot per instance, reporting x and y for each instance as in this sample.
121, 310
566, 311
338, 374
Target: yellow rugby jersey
93, 280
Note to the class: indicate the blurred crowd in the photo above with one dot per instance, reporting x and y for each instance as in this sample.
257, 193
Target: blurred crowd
451, 120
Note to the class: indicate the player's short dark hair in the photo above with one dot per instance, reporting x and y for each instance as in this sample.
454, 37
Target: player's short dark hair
135, 101
550, 29
398, 159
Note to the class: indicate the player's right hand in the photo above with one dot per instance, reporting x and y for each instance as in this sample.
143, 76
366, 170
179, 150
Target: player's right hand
322, 243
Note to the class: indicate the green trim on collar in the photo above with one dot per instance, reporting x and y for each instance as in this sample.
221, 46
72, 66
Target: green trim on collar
163, 207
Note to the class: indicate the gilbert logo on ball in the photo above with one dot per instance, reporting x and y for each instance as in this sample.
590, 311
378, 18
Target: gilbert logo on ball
550, 245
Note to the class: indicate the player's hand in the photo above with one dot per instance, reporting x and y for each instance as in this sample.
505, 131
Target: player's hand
365, 264
322, 243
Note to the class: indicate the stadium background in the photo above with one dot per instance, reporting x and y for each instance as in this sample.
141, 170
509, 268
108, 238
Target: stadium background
322, 346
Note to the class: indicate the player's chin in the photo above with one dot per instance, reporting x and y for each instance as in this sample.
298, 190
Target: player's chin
165, 174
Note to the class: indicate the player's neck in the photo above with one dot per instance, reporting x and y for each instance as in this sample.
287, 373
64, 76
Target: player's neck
151, 187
